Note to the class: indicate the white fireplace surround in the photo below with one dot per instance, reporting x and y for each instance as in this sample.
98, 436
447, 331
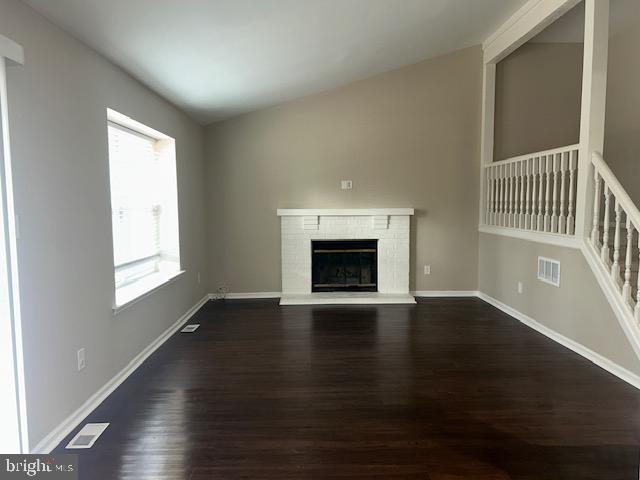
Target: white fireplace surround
390, 226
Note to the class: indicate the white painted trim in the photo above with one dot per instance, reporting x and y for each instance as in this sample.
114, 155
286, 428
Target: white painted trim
525, 24
487, 134
245, 295
539, 237
444, 293
342, 212
347, 298
603, 362
420, 293
128, 123
161, 283
12, 51
617, 190
72, 421
592, 105
10, 226
621, 311
528, 156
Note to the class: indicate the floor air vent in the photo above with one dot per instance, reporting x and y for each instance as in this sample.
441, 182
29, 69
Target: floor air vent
86, 437
190, 328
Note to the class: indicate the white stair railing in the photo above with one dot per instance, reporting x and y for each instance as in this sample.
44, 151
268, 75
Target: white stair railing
613, 238
534, 192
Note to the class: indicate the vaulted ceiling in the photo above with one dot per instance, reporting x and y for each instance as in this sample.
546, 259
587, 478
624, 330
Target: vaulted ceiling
219, 58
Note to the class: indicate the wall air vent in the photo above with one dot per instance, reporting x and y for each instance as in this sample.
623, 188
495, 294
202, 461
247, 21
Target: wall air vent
549, 271
190, 328
88, 435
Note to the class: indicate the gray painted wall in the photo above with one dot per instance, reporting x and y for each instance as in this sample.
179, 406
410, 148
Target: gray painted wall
538, 89
59, 145
577, 309
622, 127
407, 138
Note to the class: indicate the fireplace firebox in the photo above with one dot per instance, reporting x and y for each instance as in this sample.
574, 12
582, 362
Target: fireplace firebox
344, 266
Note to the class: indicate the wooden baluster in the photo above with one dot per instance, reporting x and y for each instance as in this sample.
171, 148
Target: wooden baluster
493, 195
534, 196
511, 191
564, 160
487, 194
636, 311
626, 288
522, 197
502, 185
516, 203
514, 195
604, 251
573, 162
505, 202
527, 196
547, 195
615, 267
494, 180
540, 225
554, 214
505, 216
595, 229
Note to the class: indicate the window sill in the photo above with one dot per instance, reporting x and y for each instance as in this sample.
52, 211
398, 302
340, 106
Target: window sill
135, 292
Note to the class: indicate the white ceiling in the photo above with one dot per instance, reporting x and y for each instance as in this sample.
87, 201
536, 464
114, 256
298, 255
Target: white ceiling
219, 58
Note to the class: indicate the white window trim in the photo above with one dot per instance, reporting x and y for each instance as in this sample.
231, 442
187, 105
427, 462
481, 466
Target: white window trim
153, 286
158, 280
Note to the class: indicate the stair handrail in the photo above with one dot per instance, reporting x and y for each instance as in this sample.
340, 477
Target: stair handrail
541, 153
616, 188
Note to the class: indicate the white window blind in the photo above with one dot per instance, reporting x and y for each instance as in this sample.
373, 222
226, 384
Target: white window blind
136, 199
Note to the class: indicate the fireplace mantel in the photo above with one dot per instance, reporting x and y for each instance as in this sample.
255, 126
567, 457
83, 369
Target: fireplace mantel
342, 212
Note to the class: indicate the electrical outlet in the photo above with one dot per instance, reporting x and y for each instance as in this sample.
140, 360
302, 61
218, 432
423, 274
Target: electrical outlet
427, 269
81, 359
198, 277
346, 184
520, 287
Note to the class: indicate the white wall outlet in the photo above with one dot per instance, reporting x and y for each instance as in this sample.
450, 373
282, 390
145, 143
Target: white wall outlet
81, 359
346, 184
427, 269
520, 287
198, 277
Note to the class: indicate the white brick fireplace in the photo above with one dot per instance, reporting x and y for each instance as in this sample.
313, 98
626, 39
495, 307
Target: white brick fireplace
390, 226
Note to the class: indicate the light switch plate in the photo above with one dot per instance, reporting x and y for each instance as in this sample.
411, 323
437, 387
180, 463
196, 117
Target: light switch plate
346, 184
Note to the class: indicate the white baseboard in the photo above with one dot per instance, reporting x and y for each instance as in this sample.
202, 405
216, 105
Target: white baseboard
241, 296
49, 442
622, 312
420, 293
445, 293
604, 363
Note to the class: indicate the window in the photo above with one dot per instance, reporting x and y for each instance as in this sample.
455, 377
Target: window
144, 207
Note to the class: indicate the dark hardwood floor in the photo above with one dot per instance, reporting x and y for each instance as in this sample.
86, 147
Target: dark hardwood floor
446, 389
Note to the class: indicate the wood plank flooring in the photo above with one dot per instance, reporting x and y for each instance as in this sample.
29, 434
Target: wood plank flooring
446, 389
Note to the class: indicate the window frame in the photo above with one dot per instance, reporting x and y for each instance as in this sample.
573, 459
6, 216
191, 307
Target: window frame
133, 291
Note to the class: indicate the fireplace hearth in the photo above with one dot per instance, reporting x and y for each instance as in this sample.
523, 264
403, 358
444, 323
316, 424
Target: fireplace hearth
344, 266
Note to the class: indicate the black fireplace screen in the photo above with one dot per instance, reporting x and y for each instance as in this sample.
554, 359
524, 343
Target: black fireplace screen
344, 265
